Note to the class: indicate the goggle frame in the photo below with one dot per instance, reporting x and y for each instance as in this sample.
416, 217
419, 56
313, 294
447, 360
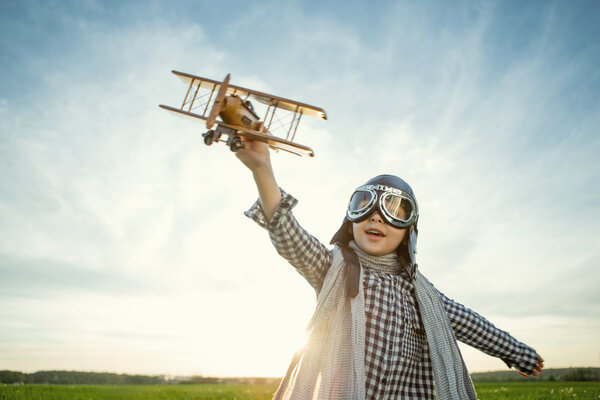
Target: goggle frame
377, 200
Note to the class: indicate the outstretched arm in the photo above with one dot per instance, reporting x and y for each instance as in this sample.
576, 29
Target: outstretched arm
474, 330
255, 156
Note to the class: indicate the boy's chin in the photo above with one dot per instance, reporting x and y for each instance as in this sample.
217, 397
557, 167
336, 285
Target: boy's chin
375, 249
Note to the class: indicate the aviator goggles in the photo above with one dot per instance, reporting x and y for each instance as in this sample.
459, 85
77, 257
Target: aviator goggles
395, 206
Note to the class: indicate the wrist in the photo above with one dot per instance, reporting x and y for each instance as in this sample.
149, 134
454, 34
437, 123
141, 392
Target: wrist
262, 170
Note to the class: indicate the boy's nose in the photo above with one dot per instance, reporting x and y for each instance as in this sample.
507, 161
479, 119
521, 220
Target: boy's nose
375, 217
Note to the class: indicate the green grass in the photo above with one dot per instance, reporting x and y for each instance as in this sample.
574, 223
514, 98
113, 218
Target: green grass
538, 390
142, 392
535, 390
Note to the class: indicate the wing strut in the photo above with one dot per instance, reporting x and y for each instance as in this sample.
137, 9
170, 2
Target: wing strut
272, 114
266, 116
296, 127
194, 98
188, 93
209, 99
287, 137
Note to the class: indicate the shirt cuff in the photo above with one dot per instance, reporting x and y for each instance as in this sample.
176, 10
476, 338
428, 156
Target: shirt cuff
525, 361
255, 212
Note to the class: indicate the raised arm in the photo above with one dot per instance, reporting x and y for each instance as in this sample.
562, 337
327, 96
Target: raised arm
255, 155
273, 212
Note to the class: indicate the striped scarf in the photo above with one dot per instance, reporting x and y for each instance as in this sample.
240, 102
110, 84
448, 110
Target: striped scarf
331, 365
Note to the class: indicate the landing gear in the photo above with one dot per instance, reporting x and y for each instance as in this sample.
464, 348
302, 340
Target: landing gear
209, 137
235, 143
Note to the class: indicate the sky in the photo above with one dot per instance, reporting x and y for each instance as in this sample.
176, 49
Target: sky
123, 244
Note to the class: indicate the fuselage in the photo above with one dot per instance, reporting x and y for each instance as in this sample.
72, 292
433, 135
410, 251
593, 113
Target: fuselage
237, 112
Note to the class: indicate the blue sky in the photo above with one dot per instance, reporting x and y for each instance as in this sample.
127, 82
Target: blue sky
123, 246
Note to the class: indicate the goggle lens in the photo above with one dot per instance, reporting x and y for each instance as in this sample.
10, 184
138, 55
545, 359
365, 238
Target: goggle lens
397, 207
360, 200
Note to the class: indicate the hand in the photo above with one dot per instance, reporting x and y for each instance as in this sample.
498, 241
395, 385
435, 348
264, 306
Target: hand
254, 155
539, 366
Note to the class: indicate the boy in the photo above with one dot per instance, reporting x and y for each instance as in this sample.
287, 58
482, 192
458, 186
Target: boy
380, 329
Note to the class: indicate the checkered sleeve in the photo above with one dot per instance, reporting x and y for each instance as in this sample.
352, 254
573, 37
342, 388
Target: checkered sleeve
306, 253
474, 330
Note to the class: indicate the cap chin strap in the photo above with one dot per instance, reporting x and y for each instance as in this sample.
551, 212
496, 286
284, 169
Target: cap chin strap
352, 271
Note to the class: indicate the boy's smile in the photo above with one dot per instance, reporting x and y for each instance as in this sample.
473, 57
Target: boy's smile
375, 237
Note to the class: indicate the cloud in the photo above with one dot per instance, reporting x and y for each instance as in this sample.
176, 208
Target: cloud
39, 278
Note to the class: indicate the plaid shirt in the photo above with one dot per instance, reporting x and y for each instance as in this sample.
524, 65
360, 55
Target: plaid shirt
397, 362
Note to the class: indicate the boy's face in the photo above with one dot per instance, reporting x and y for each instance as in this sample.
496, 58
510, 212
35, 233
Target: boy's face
375, 237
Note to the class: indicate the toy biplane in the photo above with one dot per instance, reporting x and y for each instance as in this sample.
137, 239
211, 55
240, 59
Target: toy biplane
228, 112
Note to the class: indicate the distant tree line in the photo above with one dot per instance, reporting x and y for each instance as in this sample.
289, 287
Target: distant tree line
107, 378
78, 378
579, 374
554, 374
196, 380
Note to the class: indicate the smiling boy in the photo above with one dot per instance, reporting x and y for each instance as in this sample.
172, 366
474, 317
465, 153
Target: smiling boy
380, 329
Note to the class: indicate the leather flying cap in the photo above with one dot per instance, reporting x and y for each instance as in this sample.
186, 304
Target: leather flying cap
344, 234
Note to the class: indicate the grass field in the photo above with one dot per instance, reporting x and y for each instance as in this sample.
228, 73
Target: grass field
486, 391
141, 392
538, 390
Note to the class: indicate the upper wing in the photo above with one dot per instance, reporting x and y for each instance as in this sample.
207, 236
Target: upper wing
265, 98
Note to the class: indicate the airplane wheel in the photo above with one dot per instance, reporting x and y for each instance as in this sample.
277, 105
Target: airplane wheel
236, 144
209, 137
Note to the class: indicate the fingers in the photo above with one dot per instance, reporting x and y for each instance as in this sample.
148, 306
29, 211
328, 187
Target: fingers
254, 145
539, 367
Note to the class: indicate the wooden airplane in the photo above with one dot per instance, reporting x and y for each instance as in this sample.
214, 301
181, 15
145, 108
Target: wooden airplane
227, 106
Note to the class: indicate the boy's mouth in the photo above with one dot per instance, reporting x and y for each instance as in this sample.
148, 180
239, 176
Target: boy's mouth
374, 232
